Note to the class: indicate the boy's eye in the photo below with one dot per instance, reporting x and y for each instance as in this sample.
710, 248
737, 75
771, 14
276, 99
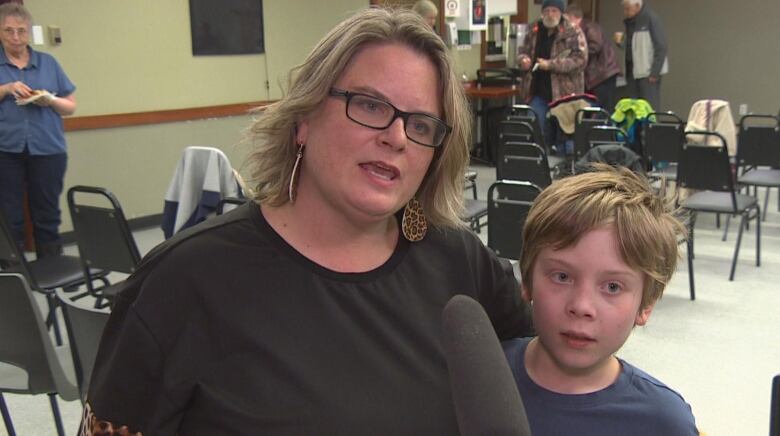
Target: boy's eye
560, 277
613, 287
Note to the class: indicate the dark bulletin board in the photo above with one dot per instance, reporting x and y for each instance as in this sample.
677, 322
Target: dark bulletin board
226, 27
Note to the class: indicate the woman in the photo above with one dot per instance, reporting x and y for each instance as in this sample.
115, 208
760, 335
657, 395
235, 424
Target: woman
319, 311
34, 95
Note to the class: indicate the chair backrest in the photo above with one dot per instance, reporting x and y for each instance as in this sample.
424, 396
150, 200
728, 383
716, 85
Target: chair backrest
26, 345
508, 204
758, 141
774, 408
512, 130
102, 233
85, 328
616, 154
229, 203
522, 112
584, 119
11, 258
663, 137
605, 134
705, 167
523, 161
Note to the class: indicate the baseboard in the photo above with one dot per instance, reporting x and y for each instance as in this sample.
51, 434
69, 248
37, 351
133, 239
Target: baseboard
140, 223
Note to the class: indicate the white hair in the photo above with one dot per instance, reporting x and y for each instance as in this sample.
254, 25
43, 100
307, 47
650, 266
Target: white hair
633, 2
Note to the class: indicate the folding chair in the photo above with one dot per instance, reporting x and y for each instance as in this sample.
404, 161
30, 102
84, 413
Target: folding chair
758, 153
46, 274
584, 119
85, 328
522, 112
29, 363
706, 168
475, 209
103, 236
231, 202
523, 161
508, 204
663, 137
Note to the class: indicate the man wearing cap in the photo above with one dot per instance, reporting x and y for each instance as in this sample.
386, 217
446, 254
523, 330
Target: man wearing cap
554, 53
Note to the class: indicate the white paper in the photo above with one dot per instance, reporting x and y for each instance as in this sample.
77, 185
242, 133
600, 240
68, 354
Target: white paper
37, 35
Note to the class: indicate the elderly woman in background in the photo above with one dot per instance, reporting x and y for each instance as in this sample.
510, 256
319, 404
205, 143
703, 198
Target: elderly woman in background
316, 309
34, 95
428, 10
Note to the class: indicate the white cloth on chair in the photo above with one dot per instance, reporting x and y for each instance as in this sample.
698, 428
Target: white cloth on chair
203, 177
713, 116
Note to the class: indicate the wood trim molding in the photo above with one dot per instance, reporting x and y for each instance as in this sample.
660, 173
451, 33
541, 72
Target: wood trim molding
158, 117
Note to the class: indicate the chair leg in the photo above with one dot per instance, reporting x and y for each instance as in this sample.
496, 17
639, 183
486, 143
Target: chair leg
51, 318
55, 410
717, 220
691, 285
726, 229
9, 425
742, 225
766, 201
758, 234
690, 233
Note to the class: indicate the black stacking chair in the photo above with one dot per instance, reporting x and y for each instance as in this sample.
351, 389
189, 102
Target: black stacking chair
475, 209
522, 112
758, 153
31, 364
523, 161
230, 201
508, 204
85, 328
103, 237
663, 137
706, 168
46, 274
584, 119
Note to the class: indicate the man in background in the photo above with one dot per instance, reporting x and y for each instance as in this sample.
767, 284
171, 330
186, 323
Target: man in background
645, 48
555, 54
602, 69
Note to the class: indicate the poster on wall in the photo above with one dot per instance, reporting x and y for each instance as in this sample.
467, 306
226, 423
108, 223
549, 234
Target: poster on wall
478, 14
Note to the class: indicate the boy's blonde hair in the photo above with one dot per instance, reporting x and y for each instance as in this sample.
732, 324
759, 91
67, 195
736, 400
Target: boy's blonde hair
647, 230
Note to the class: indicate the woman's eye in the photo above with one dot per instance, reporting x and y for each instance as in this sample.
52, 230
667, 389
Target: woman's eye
421, 127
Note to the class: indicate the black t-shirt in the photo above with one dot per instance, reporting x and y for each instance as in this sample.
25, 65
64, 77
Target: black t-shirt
226, 329
541, 79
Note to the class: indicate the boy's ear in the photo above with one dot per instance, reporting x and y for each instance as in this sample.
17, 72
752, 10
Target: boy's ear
643, 315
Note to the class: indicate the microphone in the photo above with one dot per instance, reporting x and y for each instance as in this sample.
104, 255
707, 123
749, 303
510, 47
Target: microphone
483, 389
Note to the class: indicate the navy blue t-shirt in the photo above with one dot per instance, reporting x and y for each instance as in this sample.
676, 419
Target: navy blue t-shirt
636, 404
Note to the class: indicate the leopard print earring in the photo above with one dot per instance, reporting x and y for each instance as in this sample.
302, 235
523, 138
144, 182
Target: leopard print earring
413, 224
293, 176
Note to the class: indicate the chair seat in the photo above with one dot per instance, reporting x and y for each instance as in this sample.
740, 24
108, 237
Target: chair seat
669, 173
475, 209
719, 202
761, 177
60, 272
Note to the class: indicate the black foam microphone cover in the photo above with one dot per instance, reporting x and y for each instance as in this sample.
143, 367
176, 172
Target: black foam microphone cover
484, 392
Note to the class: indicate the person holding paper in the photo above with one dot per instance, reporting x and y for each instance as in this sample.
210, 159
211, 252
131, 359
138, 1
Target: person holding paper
34, 95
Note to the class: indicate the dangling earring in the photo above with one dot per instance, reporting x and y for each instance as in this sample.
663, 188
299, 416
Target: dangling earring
296, 168
413, 224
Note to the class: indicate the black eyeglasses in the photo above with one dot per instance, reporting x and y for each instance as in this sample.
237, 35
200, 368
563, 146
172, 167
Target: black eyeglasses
378, 114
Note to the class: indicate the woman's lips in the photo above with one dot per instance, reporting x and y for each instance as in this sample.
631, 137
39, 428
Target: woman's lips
381, 170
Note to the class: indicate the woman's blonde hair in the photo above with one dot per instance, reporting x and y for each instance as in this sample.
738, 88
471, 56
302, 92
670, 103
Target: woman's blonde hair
647, 230
273, 133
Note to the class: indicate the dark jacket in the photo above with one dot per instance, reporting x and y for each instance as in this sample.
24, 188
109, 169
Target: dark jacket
566, 73
602, 60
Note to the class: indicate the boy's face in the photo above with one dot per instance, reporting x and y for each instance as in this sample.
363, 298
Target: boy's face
585, 302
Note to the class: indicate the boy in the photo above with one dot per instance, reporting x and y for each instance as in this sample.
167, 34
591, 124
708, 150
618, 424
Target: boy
599, 249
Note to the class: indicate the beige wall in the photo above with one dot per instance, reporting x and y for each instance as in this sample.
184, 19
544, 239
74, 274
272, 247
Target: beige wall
133, 56
724, 50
